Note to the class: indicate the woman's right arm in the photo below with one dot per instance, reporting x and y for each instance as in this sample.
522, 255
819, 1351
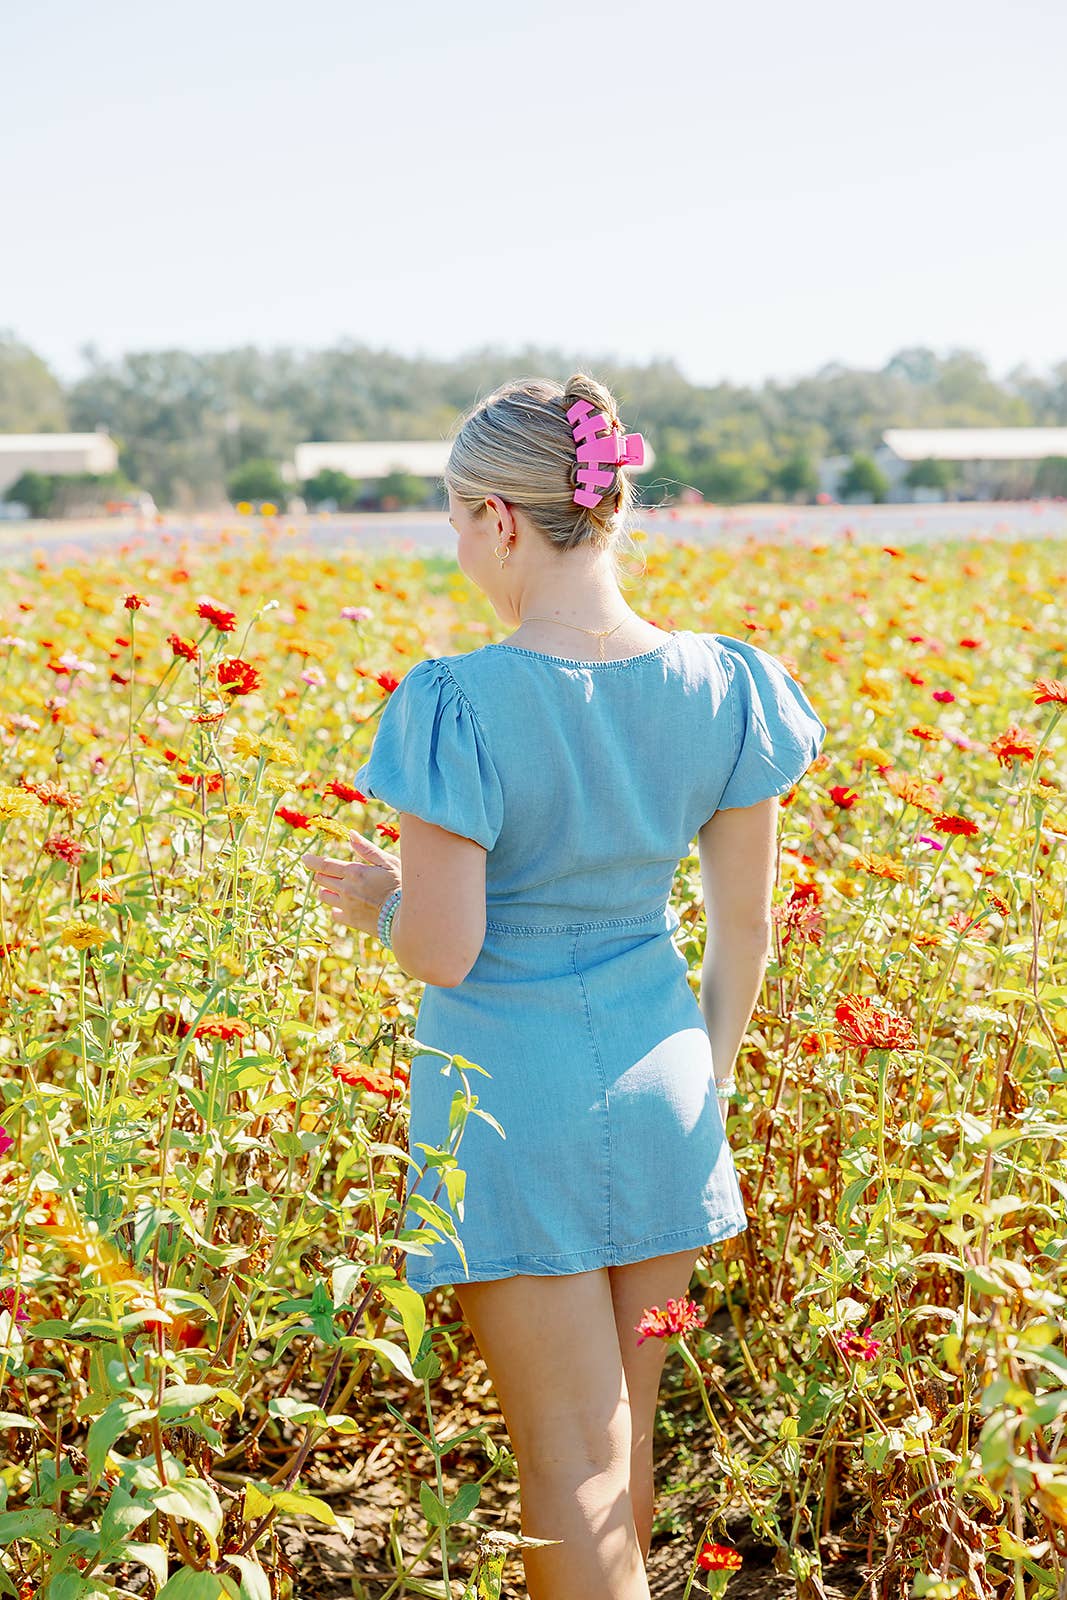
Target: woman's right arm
738, 851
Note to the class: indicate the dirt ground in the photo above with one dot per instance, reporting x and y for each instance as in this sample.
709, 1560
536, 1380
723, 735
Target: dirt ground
379, 1488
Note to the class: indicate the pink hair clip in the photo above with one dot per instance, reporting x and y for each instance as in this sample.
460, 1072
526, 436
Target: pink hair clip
600, 445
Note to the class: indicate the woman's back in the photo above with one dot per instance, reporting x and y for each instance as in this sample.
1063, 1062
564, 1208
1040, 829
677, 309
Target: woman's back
587, 780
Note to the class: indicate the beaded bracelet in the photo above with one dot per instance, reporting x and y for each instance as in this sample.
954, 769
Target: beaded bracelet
386, 914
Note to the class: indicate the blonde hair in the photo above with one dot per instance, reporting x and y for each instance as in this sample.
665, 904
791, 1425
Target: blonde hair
518, 444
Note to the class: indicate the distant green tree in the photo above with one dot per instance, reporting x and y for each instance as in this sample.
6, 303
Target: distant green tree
331, 484
31, 397
59, 494
733, 477
863, 476
34, 490
258, 479
398, 489
1051, 476
930, 474
797, 477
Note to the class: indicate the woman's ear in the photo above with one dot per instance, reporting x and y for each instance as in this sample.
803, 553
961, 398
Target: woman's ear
503, 515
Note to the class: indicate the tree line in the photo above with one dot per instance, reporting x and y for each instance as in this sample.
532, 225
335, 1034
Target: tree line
199, 429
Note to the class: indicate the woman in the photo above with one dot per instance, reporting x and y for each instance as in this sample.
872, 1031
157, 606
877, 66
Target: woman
548, 786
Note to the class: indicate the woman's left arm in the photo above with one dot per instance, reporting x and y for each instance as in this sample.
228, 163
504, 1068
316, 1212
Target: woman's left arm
439, 926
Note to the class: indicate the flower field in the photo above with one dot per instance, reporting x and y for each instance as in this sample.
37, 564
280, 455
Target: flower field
206, 1340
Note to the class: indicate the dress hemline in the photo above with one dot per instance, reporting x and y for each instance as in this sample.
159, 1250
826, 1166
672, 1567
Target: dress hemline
553, 1266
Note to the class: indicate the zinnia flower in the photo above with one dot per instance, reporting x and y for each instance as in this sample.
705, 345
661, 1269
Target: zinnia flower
63, 847
295, 819
6, 1142
236, 676
861, 1022
1050, 691
356, 613
1014, 744
134, 602
12, 1302
220, 1026
82, 935
343, 791
680, 1316
944, 822
718, 1558
225, 621
367, 1078
857, 1346
185, 648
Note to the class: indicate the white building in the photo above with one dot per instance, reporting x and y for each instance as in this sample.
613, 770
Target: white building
55, 453
986, 458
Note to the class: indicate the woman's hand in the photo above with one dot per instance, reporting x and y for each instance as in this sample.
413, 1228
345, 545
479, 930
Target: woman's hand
354, 890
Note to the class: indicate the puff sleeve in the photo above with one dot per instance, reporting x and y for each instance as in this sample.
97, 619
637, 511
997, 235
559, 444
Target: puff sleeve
777, 732
430, 757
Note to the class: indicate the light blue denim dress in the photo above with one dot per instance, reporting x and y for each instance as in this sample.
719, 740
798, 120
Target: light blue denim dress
586, 782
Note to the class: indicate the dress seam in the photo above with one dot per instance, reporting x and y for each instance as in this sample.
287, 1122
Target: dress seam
603, 1089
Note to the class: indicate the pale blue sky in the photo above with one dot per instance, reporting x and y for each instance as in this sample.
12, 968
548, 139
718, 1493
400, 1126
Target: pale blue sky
753, 190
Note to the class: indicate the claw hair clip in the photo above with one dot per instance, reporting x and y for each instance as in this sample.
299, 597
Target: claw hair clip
600, 445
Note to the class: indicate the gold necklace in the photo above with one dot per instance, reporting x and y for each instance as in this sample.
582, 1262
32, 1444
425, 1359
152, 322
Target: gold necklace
600, 634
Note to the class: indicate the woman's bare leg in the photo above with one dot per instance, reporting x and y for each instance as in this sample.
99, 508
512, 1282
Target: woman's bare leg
552, 1351
634, 1289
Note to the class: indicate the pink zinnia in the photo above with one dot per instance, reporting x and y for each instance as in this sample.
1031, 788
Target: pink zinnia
6, 1142
857, 1346
12, 1301
680, 1316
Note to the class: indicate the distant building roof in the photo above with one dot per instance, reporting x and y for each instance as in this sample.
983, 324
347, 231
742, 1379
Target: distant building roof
374, 458
56, 453
53, 441
976, 444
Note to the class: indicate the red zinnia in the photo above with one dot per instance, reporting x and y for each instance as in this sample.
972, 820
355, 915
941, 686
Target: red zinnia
225, 621
680, 1316
134, 602
1014, 744
718, 1558
1050, 691
386, 680
295, 819
861, 1022
375, 1082
237, 676
221, 1027
63, 847
343, 791
182, 647
945, 822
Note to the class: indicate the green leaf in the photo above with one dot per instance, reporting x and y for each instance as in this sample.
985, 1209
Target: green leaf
190, 1585
394, 1353
12, 1419
255, 1585
122, 1515
309, 1505
107, 1429
433, 1508
35, 1524
412, 1308
182, 1397
195, 1501
152, 1556
464, 1502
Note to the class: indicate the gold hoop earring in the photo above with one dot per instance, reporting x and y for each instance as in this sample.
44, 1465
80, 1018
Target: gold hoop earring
504, 557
